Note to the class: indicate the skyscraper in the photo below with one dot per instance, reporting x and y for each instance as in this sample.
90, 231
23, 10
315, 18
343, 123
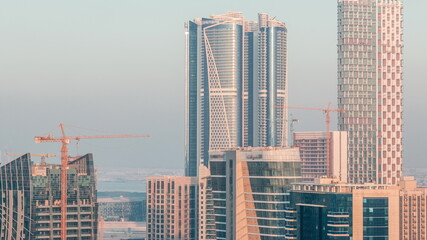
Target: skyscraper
235, 75
370, 87
272, 83
214, 86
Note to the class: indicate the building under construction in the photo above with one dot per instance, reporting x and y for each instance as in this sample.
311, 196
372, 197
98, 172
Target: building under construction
30, 200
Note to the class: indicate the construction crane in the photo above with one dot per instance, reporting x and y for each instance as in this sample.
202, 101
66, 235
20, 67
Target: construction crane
42, 156
65, 140
327, 112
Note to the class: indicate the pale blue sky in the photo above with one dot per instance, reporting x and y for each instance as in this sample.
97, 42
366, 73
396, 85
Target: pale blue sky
118, 66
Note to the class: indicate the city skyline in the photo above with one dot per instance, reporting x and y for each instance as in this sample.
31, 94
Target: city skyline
116, 111
110, 68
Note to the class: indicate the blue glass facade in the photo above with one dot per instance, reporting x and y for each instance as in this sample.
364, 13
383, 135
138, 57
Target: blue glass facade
215, 63
375, 218
272, 86
251, 191
316, 216
15, 199
191, 157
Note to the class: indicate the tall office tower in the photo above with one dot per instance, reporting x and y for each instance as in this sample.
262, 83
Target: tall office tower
31, 194
223, 65
333, 210
250, 188
172, 208
370, 87
272, 82
314, 160
215, 60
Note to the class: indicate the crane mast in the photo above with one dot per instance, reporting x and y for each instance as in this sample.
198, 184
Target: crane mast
65, 140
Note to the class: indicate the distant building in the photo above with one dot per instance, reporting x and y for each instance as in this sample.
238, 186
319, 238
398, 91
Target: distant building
172, 208
329, 209
30, 197
250, 188
122, 209
314, 155
236, 75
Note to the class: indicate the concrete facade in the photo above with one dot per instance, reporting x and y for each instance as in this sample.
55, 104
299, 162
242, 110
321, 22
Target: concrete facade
206, 207
172, 208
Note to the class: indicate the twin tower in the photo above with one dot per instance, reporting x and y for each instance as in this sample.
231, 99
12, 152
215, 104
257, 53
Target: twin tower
236, 85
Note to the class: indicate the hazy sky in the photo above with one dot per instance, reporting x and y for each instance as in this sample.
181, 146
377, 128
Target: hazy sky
118, 66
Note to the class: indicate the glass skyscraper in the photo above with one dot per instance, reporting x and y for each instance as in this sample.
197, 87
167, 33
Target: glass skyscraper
370, 88
272, 89
235, 76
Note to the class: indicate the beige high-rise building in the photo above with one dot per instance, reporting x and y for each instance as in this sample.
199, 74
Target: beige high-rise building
370, 80
172, 208
314, 162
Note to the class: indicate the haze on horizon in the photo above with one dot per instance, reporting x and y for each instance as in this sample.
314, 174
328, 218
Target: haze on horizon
118, 66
